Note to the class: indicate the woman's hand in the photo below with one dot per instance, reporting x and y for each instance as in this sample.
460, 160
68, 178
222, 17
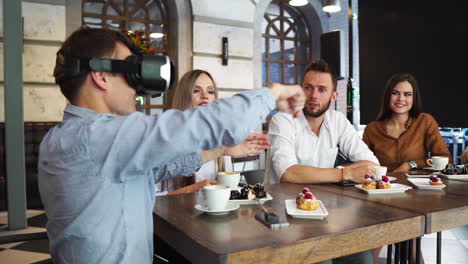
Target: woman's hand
194, 187
403, 168
251, 146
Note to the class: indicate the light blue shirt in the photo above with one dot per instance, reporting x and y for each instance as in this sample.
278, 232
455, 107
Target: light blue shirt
97, 172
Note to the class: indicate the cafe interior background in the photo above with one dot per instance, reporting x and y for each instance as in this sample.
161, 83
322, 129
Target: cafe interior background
246, 44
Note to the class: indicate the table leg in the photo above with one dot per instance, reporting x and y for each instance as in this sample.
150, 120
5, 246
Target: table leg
418, 250
410, 251
439, 247
397, 253
404, 252
389, 254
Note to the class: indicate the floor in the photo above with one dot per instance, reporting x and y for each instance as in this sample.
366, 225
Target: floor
34, 251
454, 244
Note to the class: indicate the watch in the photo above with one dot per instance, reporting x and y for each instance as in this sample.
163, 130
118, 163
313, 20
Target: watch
413, 165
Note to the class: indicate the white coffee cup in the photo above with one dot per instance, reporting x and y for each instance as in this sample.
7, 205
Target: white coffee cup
380, 171
438, 162
230, 179
216, 196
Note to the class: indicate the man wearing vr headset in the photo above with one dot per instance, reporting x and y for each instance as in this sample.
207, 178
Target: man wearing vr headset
98, 168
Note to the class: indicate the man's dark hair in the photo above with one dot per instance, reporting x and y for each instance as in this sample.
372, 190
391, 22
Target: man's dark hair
321, 65
86, 42
385, 110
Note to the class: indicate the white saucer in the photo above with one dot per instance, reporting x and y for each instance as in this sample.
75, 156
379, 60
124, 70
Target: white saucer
432, 168
455, 176
229, 207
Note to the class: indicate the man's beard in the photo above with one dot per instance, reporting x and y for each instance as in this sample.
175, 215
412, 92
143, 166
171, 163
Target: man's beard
319, 113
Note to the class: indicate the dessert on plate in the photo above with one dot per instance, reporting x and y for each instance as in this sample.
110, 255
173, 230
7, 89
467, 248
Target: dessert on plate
305, 200
249, 192
434, 180
384, 183
451, 169
371, 184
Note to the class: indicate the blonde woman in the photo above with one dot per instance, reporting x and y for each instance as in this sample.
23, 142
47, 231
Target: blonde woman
196, 89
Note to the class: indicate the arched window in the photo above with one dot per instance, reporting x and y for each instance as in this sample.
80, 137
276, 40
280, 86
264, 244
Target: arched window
149, 16
286, 44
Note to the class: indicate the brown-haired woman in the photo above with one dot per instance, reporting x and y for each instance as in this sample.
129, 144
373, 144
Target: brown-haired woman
196, 89
402, 135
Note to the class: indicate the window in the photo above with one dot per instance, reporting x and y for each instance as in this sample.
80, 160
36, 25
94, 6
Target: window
286, 44
149, 16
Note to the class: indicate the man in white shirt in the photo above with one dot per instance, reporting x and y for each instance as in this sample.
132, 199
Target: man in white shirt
304, 149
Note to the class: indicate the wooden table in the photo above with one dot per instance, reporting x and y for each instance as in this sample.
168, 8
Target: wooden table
443, 209
353, 225
459, 187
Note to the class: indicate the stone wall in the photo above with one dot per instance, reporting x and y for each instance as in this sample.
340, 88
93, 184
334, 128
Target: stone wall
213, 20
199, 46
44, 31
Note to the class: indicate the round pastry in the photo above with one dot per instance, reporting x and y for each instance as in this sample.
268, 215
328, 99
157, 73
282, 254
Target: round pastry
306, 202
435, 181
384, 183
369, 184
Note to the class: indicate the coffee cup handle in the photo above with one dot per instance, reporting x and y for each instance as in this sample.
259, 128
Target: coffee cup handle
429, 162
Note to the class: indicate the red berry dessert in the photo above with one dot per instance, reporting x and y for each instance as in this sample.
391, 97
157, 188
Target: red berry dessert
369, 184
435, 181
384, 183
305, 200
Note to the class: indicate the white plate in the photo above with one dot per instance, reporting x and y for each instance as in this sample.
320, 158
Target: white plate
292, 210
391, 178
455, 176
424, 184
247, 201
230, 207
418, 175
396, 188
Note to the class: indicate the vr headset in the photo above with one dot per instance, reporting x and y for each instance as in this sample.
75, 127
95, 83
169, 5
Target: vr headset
147, 74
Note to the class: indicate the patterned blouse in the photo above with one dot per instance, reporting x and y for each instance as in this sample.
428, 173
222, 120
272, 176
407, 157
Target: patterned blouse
421, 137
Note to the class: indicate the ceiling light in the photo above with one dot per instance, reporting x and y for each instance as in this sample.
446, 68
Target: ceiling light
331, 6
298, 2
156, 35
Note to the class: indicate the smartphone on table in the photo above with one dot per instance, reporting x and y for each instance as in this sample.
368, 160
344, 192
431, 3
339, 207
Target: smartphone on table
272, 220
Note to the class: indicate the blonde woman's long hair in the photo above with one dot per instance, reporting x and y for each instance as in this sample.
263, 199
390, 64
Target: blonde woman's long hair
182, 100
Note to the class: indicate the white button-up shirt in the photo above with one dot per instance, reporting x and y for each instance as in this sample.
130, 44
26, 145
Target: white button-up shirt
294, 143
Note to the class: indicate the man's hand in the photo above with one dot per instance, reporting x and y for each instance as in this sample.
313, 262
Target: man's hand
251, 146
357, 174
289, 98
403, 168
